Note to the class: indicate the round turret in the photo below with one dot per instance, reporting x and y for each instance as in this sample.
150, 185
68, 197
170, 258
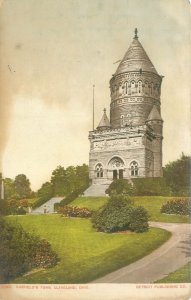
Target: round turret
135, 88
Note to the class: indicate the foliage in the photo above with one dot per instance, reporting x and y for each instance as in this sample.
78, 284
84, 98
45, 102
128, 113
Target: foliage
20, 211
177, 175
46, 190
24, 203
10, 192
139, 219
4, 209
119, 214
68, 199
151, 203
74, 211
139, 187
21, 251
151, 187
65, 181
177, 206
85, 254
45, 193
22, 186
121, 186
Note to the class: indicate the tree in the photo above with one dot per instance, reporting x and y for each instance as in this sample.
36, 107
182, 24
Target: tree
71, 179
177, 175
60, 181
46, 190
82, 177
10, 192
22, 186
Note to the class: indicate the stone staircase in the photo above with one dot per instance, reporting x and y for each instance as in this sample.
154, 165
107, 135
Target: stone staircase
47, 207
96, 190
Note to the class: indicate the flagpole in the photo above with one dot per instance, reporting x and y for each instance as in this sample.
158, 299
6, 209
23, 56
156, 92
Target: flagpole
93, 106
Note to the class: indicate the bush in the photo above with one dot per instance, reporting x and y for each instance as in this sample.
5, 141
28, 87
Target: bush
21, 251
4, 209
20, 211
68, 199
121, 186
177, 206
139, 219
120, 214
74, 211
151, 187
177, 175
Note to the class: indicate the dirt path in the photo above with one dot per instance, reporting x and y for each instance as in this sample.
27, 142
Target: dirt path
166, 259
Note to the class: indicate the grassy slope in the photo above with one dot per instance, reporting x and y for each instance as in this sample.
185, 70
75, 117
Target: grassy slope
151, 203
182, 275
93, 203
86, 254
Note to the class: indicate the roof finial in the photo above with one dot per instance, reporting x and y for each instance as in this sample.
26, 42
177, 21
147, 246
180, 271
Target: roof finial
104, 110
136, 36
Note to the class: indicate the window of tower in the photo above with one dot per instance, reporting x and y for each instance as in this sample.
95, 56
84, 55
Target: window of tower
126, 87
134, 168
140, 87
146, 88
99, 170
133, 90
122, 120
151, 88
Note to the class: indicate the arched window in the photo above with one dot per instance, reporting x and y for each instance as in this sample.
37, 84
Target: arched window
134, 168
99, 170
122, 120
146, 88
140, 87
151, 88
126, 87
133, 88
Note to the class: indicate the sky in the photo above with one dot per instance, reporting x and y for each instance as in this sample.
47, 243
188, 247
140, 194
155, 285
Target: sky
51, 54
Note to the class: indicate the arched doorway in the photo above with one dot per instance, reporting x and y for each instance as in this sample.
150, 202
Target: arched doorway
116, 165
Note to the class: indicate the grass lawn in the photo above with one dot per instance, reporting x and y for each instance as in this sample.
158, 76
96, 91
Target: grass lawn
182, 275
93, 203
151, 203
85, 254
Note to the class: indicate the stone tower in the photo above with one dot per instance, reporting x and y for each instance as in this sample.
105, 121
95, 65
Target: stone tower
130, 144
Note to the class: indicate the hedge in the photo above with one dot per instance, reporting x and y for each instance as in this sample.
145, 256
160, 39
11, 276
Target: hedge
177, 206
20, 252
74, 211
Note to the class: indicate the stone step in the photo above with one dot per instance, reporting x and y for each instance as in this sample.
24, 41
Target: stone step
47, 207
96, 190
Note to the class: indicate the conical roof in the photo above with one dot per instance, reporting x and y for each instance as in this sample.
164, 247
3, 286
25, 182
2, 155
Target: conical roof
136, 59
154, 114
104, 123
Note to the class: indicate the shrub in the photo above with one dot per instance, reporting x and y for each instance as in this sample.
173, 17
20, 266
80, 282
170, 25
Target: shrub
121, 186
74, 211
21, 251
4, 209
119, 214
177, 206
151, 187
20, 211
68, 199
177, 175
139, 219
